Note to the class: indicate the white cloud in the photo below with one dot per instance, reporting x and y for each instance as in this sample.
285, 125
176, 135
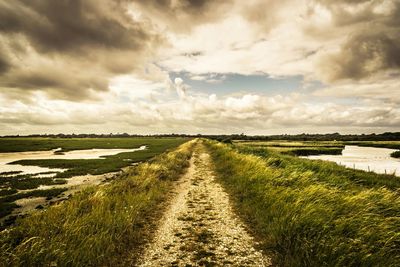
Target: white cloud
190, 112
352, 48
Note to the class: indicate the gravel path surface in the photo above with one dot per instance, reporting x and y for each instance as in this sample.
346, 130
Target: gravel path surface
199, 227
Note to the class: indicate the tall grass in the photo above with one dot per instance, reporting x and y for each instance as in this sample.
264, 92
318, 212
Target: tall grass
100, 226
297, 148
314, 151
312, 216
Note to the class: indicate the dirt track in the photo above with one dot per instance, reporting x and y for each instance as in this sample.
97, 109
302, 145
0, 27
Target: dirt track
199, 227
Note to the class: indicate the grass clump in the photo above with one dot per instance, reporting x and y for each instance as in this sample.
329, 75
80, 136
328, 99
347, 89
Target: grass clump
384, 144
395, 154
311, 213
7, 202
7, 208
23, 182
306, 148
314, 151
100, 226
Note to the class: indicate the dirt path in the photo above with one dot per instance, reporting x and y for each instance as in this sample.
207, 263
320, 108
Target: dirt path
199, 228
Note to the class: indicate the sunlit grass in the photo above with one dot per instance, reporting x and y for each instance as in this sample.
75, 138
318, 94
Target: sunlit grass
385, 144
313, 213
305, 148
100, 226
10, 181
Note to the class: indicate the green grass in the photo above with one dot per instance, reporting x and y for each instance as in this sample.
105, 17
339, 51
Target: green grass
7, 202
395, 154
5, 192
68, 144
100, 226
384, 144
10, 173
305, 148
314, 151
75, 167
9, 186
36, 193
312, 213
113, 163
283, 143
326, 171
23, 182
7, 208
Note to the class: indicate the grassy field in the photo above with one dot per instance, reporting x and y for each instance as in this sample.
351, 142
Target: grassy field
385, 144
113, 163
155, 146
296, 148
308, 148
68, 144
99, 226
9, 184
312, 213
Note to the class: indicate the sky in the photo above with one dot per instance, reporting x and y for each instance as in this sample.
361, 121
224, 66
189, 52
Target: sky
199, 66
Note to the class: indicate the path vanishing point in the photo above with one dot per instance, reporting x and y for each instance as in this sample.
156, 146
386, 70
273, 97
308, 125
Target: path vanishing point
199, 226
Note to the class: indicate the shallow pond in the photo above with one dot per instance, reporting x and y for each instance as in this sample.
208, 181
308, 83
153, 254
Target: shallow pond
6, 158
374, 159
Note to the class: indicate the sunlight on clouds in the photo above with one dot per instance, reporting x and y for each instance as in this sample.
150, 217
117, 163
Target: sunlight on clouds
140, 66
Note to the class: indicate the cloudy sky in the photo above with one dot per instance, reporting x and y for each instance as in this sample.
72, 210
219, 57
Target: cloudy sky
199, 66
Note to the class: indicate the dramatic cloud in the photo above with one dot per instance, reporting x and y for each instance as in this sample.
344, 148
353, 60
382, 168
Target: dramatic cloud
70, 48
173, 66
364, 55
180, 15
193, 112
373, 42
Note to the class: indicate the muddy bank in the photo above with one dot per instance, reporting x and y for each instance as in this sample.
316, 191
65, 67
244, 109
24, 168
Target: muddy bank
73, 185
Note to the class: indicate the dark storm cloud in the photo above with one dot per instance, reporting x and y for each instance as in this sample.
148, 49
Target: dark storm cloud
56, 83
373, 45
71, 25
364, 55
4, 63
180, 6
182, 15
68, 47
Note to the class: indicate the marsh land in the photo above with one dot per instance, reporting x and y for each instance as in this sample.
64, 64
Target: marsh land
209, 203
35, 172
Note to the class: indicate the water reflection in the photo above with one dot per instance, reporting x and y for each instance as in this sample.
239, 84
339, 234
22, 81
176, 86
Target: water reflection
6, 158
365, 158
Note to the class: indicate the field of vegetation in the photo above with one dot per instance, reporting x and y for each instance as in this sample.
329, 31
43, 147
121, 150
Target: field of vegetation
14, 186
298, 148
312, 213
99, 226
308, 148
384, 144
302, 212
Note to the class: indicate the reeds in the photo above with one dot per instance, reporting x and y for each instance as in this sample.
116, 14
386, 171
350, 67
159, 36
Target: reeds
101, 226
313, 213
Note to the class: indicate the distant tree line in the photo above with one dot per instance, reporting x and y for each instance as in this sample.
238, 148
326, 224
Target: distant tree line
388, 136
